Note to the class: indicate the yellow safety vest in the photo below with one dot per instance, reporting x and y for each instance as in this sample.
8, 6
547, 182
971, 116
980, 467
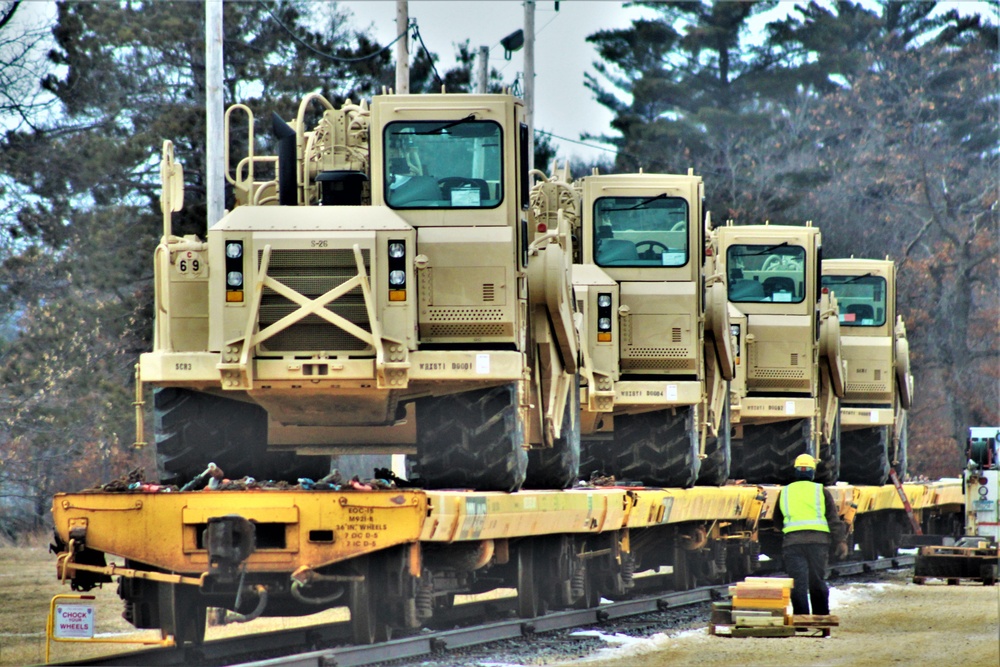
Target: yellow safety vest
804, 507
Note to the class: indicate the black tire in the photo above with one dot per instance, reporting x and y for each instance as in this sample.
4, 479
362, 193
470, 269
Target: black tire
193, 429
901, 455
473, 440
558, 466
658, 448
865, 458
717, 464
769, 450
596, 456
828, 468
736, 459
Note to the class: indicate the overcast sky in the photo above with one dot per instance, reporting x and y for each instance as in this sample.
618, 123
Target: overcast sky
562, 105
562, 55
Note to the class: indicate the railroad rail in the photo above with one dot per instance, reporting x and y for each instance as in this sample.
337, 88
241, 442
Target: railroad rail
247, 649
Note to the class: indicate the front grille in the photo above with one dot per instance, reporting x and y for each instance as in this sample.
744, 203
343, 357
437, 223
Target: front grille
660, 364
775, 373
656, 352
312, 273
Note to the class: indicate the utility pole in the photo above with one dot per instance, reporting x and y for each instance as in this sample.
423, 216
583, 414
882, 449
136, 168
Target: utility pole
215, 174
403, 48
529, 76
483, 74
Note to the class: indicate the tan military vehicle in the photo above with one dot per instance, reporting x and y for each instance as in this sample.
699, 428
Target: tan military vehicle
656, 341
376, 289
879, 387
790, 375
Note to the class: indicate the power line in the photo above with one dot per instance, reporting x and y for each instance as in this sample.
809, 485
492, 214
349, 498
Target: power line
574, 141
416, 36
335, 58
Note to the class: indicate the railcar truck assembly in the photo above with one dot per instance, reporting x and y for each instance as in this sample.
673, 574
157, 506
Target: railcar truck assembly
376, 289
790, 374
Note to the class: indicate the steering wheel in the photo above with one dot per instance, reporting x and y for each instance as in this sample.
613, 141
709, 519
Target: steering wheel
772, 263
452, 182
653, 246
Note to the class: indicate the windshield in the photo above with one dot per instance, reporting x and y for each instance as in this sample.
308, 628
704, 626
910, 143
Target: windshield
766, 273
443, 164
641, 231
861, 299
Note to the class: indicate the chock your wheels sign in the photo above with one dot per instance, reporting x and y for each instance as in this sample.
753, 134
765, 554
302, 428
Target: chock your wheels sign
74, 621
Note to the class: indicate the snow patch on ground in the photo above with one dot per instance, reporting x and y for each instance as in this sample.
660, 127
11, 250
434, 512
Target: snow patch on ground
624, 646
849, 594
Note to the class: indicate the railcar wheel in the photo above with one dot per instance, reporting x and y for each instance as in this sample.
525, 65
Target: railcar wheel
770, 449
717, 464
889, 537
558, 466
590, 596
529, 599
193, 428
367, 600
658, 448
473, 440
864, 536
865, 458
182, 614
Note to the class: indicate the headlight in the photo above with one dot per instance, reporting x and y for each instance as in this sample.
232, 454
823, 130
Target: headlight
397, 278
604, 324
234, 278
396, 250
234, 250
604, 300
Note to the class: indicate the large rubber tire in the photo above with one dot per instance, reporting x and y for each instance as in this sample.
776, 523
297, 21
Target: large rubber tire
736, 459
901, 456
828, 470
717, 464
865, 458
658, 448
473, 441
193, 429
558, 466
769, 450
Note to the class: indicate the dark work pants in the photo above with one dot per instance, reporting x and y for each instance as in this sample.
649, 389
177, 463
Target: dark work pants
806, 564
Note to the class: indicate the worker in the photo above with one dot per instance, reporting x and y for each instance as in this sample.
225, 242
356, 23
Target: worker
806, 514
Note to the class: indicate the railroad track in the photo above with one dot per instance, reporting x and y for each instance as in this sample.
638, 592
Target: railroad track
327, 644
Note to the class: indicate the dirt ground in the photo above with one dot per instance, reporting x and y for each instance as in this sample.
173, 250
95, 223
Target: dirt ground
896, 622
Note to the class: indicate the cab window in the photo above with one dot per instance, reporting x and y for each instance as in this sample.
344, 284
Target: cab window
861, 299
443, 164
766, 273
641, 231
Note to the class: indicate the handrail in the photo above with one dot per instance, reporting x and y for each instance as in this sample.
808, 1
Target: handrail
250, 140
300, 167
